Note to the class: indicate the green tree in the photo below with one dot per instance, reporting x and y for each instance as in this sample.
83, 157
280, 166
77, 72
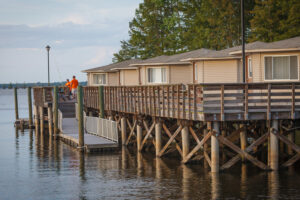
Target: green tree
155, 30
275, 20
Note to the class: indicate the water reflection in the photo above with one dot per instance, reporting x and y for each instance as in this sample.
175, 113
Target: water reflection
215, 186
273, 182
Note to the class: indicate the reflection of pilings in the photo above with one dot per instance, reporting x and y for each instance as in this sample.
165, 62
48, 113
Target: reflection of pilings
243, 181
82, 166
273, 181
215, 185
205, 164
158, 168
30, 139
36, 118
139, 163
124, 158
41, 112
187, 176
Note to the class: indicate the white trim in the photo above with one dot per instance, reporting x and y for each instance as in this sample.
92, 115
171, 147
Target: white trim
280, 80
92, 78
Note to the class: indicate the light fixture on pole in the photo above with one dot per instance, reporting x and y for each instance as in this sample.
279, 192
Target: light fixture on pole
48, 49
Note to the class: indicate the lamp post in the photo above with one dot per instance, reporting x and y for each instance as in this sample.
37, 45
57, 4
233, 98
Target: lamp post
243, 39
48, 49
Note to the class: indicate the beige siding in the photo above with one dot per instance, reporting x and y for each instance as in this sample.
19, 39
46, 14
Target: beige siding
113, 79
130, 77
259, 65
181, 74
218, 71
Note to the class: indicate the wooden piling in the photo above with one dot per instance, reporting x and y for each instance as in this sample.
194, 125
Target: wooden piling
80, 118
50, 121
157, 137
205, 164
55, 111
215, 148
41, 112
291, 137
16, 103
243, 139
139, 136
36, 118
274, 146
30, 122
123, 130
101, 101
185, 141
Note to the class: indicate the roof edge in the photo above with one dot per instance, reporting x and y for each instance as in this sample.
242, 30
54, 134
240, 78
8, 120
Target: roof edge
263, 50
221, 58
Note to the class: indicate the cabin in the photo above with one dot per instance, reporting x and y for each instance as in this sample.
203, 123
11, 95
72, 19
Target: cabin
113, 74
168, 69
265, 62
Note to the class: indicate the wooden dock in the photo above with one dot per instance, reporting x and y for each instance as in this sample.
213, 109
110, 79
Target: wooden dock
217, 125
92, 143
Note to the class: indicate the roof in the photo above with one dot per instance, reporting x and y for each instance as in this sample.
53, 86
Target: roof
290, 44
173, 59
114, 66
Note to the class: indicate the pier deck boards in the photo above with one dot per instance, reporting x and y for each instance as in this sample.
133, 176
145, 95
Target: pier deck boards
69, 133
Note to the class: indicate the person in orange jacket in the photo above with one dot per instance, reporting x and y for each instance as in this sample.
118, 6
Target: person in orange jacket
74, 85
68, 84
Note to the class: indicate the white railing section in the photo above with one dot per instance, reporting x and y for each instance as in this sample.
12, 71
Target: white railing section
101, 127
60, 119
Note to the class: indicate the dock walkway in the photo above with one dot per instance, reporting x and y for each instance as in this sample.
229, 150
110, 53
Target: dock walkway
69, 132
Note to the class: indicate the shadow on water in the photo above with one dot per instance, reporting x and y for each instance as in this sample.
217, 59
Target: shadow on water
61, 172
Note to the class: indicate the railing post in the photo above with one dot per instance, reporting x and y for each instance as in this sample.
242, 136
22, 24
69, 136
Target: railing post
16, 104
29, 106
101, 101
55, 111
80, 118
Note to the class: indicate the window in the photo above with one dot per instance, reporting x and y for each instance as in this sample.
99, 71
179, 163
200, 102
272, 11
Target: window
281, 68
250, 72
157, 75
99, 79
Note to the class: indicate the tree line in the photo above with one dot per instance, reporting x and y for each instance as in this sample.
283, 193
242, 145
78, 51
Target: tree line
167, 27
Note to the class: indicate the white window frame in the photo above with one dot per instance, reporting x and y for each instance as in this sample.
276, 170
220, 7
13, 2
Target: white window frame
155, 83
249, 59
106, 78
274, 80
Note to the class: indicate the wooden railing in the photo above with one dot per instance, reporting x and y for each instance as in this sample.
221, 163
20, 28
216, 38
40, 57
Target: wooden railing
208, 102
44, 95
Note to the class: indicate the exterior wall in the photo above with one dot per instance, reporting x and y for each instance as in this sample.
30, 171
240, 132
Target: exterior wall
258, 65
181, 74
113, 79
129, 77
143, 73
218, 71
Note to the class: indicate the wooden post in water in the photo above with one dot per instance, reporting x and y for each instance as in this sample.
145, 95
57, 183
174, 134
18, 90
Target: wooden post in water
101, 101
80, 118
29, 106
55, 111
243, 139
50, 121
123, 130
157, 137
215, 148
205, 164
274, 145
16, 103
41, 111
36, 118
139, 136
185, 142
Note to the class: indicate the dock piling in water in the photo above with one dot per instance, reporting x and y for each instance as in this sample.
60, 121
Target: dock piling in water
215, 148
157, 137
55, 111
80, 118
29, 106
16, 103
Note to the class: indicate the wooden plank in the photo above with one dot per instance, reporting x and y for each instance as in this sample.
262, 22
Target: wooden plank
195, 102
170, 135
147, 135
170, 140
293, 102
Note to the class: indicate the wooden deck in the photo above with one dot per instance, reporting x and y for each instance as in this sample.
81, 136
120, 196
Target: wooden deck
69, 134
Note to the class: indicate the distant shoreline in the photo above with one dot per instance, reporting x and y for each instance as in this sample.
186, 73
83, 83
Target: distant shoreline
38, 84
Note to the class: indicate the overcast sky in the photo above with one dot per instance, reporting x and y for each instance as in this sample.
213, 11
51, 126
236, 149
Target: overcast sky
82, 34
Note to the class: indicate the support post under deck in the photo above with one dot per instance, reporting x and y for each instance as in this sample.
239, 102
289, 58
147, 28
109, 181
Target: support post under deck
157, 137
215, 148
123, 130
274, 146
243, 139
41, 112
185, 142
139, 136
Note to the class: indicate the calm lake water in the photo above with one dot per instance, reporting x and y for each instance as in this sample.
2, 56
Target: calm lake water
36, 167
